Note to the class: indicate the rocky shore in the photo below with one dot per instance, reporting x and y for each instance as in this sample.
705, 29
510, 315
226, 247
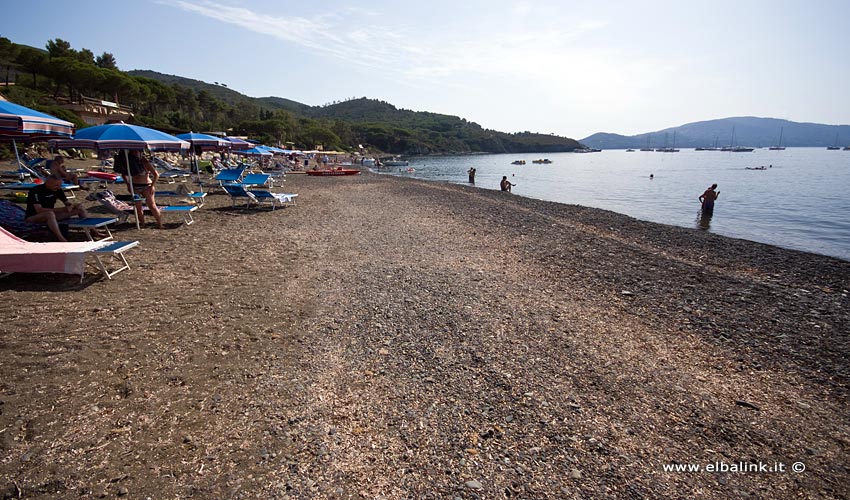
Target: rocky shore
394, 338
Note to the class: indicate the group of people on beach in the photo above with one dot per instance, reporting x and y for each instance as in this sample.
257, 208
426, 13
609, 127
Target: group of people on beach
41, 200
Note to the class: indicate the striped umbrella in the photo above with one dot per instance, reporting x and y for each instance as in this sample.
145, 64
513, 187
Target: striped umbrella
21, 124
122, 136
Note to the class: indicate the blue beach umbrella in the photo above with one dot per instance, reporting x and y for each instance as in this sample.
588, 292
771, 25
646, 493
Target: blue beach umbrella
122, 136
238, 143
273, 150
255, 151
21, 124
203, 142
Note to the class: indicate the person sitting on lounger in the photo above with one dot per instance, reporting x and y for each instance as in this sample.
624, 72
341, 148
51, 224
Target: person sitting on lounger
57, 168
41, 202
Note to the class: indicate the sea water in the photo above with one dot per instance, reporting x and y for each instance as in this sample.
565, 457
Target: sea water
799, 201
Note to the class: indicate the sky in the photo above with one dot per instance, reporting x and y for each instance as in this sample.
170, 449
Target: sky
571, 68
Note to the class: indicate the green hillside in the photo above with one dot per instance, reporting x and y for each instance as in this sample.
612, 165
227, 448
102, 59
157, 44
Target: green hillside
45, 78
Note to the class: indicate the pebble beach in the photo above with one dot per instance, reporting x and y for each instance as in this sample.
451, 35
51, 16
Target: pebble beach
395, 338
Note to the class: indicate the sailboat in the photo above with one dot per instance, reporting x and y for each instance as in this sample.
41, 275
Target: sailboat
647, 148
779, 146
835, 147
713, 148
736, 149
666, 149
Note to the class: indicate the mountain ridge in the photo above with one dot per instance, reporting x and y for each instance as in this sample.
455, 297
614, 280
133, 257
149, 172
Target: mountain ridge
749, 131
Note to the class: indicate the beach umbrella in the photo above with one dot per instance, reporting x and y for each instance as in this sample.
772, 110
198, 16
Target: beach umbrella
273, 150
122, 136
256, 151
203, 142
238, 143
21, 124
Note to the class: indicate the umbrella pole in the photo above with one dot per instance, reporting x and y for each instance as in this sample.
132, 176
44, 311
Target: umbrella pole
129, 180
18, 158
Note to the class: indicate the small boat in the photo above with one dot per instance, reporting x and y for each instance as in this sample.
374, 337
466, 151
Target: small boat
846, 148
545, 161
630, 151
518, 162
395, 162
368, 162
333, 172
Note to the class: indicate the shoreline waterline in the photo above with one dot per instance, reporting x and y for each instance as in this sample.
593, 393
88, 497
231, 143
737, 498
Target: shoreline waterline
795, 202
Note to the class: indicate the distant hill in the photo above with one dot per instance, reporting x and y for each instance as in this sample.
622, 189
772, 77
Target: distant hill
284, 104
391, 129
749, 131
220, 92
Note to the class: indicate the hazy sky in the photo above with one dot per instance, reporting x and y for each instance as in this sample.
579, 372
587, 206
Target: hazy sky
570, 68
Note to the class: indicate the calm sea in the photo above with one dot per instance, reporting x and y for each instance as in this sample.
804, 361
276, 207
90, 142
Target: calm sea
801, 202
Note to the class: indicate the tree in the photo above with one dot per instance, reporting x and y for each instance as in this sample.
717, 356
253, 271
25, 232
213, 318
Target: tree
59, 48
8, 55
106, 61
85, 56
33, 60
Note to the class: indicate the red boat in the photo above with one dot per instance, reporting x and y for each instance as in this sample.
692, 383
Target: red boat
338, 171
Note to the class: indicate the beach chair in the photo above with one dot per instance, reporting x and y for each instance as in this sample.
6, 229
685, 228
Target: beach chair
257, 196
256, 180
195, 197
19, 256
26, 186
230, 175
124, 210
169, 173
13, 218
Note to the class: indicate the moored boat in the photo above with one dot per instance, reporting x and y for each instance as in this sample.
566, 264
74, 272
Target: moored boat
396, 162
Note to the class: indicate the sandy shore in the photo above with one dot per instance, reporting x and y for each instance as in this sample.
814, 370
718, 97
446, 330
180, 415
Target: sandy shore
392, 338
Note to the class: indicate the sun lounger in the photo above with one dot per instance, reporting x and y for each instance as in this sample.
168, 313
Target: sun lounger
257, 196
256, 180
26, 186
91, 224
196, 197
13, 218
124, 210
230, 175
19, 256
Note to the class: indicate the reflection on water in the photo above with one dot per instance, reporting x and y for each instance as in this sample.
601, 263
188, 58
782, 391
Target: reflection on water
704, 220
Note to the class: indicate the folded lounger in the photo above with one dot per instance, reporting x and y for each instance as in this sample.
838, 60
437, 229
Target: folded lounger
19, 256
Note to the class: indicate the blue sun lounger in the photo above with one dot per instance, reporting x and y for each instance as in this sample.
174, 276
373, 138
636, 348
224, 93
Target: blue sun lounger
257, 196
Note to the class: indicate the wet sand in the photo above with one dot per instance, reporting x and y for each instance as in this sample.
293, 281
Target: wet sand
394, 338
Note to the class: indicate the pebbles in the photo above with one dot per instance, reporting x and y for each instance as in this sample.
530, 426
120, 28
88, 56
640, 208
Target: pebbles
388, 337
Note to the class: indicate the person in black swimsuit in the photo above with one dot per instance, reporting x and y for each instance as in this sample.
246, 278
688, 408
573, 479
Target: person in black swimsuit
42, 200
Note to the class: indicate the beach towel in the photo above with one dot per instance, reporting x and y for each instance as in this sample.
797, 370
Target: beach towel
19, 256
